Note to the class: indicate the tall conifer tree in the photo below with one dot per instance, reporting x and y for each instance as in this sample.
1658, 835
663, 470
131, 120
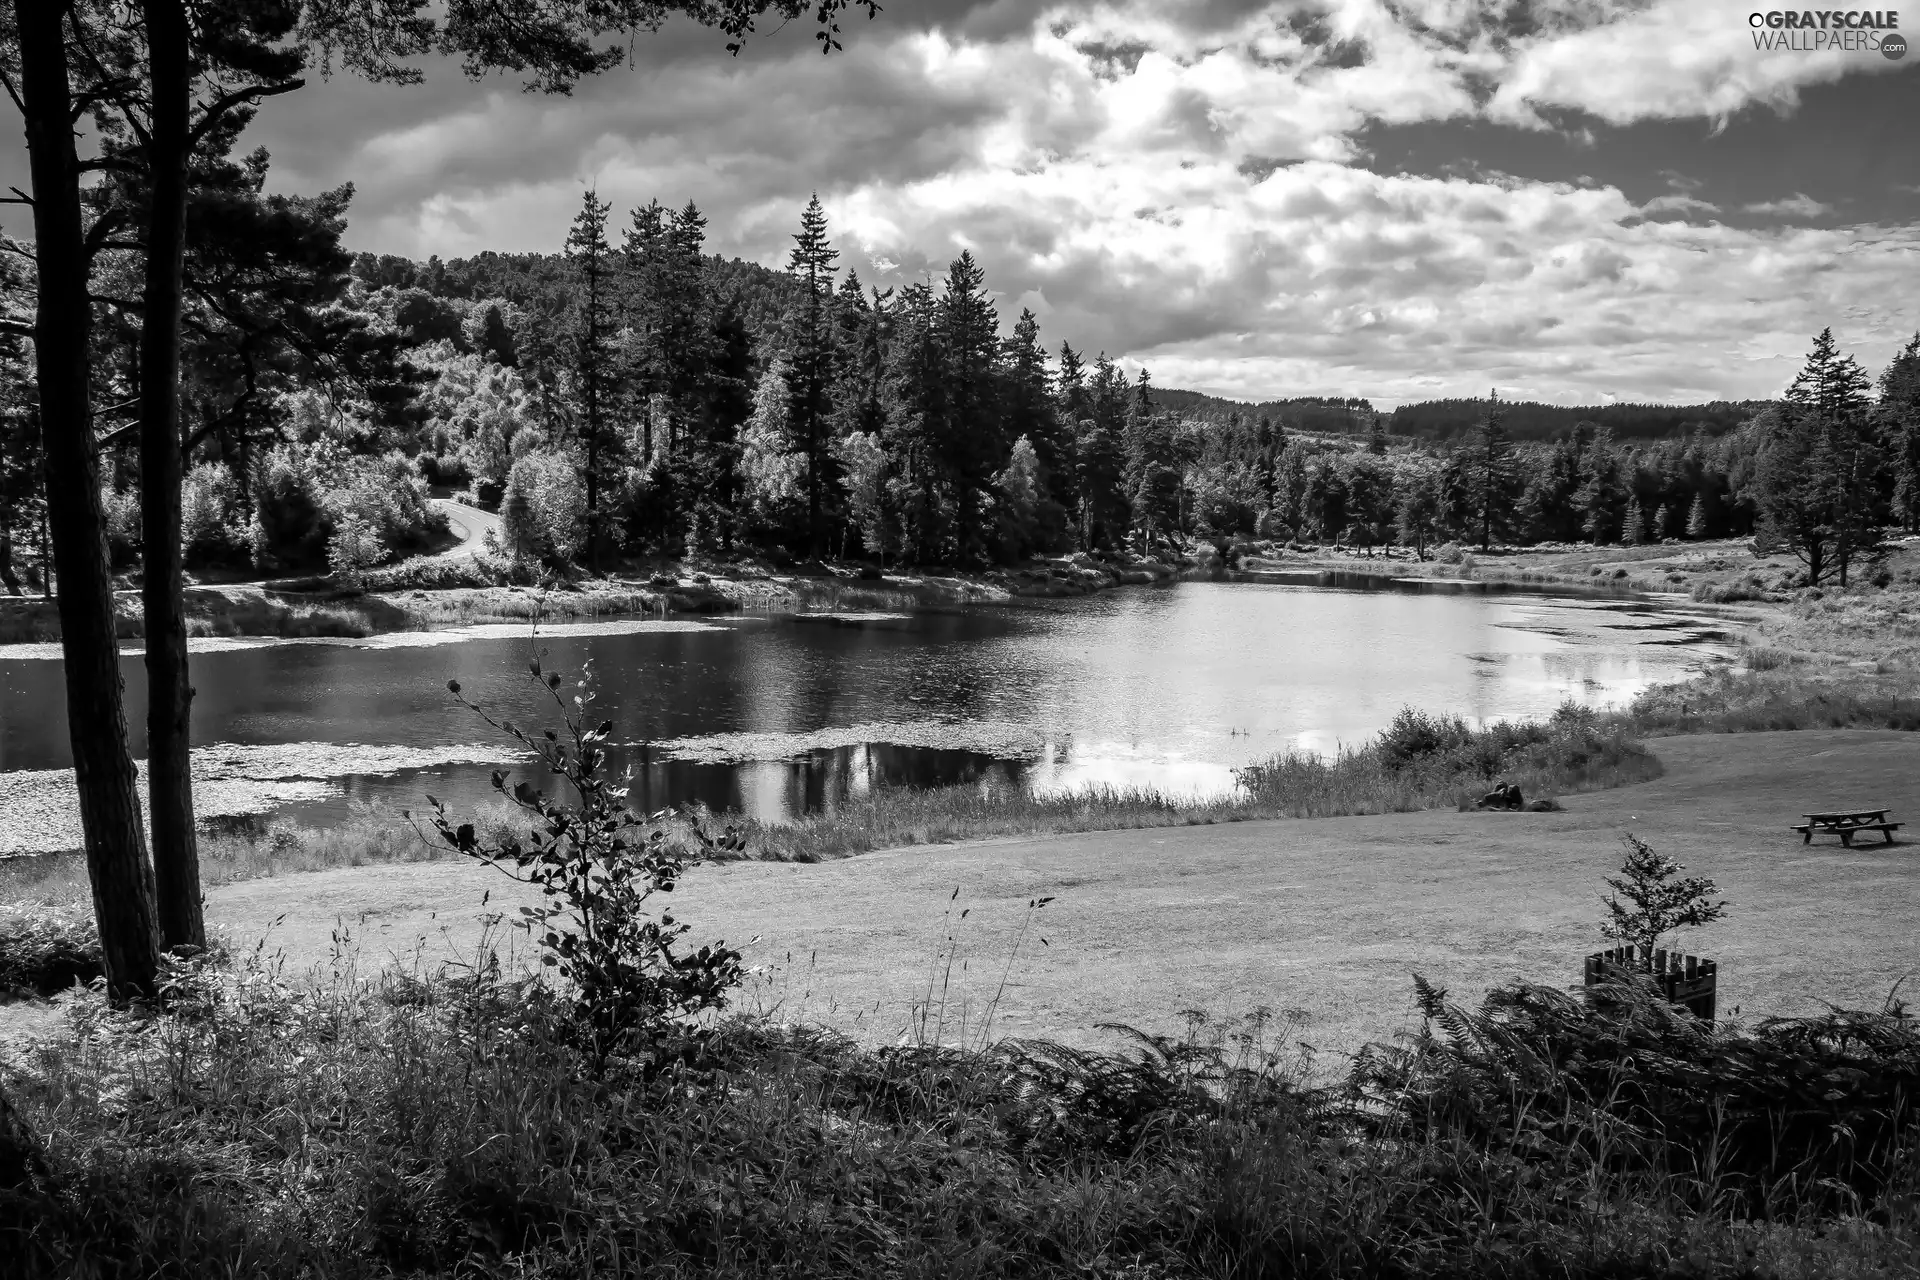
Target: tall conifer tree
811, 354
592, 331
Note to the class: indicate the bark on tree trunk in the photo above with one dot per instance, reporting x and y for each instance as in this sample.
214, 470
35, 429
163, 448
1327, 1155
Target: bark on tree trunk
176, 856
116, 842
8, 578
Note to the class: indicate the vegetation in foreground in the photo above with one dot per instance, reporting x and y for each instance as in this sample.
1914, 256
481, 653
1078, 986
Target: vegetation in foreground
477, 1122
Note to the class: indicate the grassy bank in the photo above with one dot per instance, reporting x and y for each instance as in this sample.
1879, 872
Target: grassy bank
444, 1124
1420, 762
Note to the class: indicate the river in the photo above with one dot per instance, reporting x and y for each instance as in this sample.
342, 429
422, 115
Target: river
1170, 687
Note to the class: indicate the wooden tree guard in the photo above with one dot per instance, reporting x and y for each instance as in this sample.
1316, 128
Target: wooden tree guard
1684, 980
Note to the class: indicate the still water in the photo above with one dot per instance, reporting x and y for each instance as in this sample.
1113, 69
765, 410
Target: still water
1170, 686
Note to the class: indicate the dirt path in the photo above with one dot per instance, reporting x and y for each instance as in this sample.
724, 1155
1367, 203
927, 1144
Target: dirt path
1329, 916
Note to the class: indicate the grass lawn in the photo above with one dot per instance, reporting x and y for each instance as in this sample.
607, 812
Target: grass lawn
1327, 916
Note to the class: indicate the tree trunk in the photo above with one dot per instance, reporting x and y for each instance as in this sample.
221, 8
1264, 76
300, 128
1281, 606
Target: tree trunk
116, 843
176, 857
8, 578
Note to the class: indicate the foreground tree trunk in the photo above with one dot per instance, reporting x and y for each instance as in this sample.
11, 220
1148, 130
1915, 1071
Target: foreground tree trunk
8, 578
103, 769
176, 856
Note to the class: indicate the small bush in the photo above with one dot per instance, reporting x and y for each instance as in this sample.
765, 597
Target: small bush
599, 864
1731, 592
45, 951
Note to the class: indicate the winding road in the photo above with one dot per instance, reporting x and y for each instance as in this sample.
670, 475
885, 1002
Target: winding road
470, 524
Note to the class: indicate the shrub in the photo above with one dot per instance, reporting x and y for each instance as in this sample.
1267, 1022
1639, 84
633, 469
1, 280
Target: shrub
304, 493
1731, 592
42, 952
209, 505
1414, 735
1656, 902
353, 548
1798, 1115
543, 509
599, 864
120, 509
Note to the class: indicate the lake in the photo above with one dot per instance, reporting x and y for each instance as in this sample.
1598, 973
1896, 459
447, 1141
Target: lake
1171, 687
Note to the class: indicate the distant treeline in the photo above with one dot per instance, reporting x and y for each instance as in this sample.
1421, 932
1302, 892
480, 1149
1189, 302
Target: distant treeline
544, 282
1314, 414
1530, 420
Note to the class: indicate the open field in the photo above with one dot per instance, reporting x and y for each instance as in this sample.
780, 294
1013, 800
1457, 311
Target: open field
1329, 916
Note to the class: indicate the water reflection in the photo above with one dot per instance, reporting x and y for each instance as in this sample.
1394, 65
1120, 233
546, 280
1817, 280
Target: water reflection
1169, 687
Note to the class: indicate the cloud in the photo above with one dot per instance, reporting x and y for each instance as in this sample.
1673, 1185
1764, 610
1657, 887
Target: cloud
1798, 205
1326, 278
1678, 204
1185, 182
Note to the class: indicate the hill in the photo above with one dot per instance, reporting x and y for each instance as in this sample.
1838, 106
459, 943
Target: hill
1327, 414
1447, 419
1531, 420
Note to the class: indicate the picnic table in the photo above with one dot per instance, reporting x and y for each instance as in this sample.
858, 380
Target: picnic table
1845, 823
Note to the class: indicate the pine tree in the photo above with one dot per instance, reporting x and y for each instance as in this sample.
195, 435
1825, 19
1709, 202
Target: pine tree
917, 419
1268, 443
1633, 529
1602, 496
1899, 428
1416, 511
974, 446
1495, 486
1153, 476
811, 355
1662, 519
1031, 415
669, 314
1377, 436
592, 333
1100, 457
1697, 516
1818, 465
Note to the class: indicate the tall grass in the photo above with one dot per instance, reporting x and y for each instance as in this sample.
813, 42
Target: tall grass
335, 1124
1420, 762
1777, 693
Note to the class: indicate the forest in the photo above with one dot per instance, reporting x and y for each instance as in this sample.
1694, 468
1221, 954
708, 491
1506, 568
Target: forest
634, 396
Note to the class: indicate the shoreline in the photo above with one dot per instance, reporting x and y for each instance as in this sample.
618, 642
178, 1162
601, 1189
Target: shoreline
431, 594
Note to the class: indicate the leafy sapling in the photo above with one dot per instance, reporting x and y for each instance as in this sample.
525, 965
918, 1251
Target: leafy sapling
1656, 902
598, 864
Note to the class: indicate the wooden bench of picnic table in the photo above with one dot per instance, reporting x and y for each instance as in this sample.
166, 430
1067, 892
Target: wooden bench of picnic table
1846, 824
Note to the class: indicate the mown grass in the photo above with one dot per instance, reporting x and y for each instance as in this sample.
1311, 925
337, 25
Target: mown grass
439, 1124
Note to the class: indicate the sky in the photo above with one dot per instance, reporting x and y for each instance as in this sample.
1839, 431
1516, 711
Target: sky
1575, 201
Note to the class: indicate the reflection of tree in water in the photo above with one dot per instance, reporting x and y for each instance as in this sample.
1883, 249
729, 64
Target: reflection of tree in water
816, 782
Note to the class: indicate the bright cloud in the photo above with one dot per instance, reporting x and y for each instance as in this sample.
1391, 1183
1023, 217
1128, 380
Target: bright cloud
1187, 185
